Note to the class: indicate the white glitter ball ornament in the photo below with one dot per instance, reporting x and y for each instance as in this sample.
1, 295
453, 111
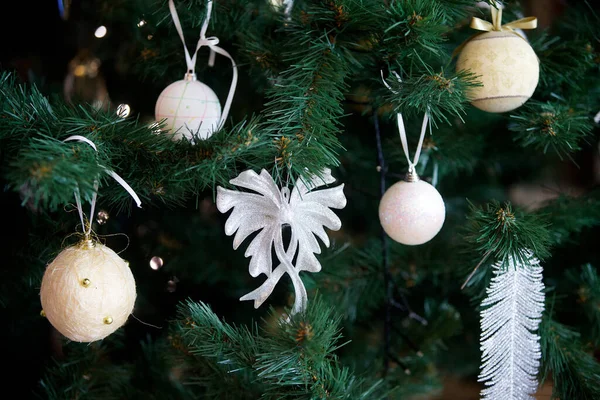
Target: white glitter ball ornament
191, 109
412, 211
88, 292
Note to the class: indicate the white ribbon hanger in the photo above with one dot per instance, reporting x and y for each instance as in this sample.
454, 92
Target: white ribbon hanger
212, 43
411, 164
113, 174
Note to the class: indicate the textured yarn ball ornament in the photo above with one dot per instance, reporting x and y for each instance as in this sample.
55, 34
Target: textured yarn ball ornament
507, 67
412, 213
88, 292
190, 109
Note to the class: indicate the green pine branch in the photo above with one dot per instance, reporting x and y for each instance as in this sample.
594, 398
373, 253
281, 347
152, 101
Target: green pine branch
503, 232
443, 94
569, 216
563, 63
285, 359
48, 170
574, 370
304, 110
587, 286
551, 125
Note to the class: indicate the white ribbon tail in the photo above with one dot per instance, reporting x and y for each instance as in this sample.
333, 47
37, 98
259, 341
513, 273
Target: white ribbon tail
80, 138
211, 58
387, 85
126, 187
234, 80
261, 294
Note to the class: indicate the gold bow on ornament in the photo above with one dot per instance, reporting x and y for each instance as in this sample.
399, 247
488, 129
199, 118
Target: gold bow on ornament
496, 25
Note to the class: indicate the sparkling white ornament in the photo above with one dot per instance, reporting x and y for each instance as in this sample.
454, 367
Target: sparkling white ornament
88, 292
189, 108
412, 212
512, 313
305, 210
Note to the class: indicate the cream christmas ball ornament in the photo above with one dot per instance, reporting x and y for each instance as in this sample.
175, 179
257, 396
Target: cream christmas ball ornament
503, 61
412, 211
88, 292
190, 108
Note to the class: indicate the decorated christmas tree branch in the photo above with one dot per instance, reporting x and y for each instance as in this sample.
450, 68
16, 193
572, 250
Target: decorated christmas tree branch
574, 371
289, 358
47, 170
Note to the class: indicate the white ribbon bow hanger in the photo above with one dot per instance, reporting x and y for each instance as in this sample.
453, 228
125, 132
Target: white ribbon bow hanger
211, 43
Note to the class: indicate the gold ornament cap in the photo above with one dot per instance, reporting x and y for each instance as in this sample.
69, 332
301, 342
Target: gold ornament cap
411, 176
189, 76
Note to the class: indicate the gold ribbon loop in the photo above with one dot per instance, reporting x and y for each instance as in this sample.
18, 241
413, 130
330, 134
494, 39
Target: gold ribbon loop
523, 23
496, 25
483, 25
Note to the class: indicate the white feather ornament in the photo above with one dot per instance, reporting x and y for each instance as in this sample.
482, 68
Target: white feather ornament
270, 209
511, 316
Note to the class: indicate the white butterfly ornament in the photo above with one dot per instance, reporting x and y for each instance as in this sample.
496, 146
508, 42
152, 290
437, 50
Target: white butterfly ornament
305, 210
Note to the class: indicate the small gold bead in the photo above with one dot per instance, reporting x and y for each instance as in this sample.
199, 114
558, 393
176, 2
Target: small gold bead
43, 314
86, 282
108, 320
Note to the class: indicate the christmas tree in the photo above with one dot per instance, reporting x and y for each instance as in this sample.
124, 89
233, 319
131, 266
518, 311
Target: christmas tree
315, 199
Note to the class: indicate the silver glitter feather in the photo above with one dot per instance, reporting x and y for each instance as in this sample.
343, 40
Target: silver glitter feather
268, 210
511, 316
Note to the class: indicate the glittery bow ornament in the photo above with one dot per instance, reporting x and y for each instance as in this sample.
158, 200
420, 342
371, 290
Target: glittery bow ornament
269, 210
